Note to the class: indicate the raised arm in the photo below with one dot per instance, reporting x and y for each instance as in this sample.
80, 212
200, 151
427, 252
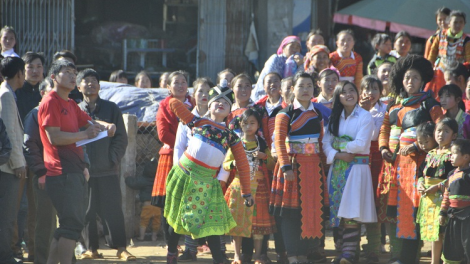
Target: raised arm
243, 167
181, 111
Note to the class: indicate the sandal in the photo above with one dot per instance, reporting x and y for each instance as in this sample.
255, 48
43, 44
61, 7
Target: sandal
90, 255
126, 256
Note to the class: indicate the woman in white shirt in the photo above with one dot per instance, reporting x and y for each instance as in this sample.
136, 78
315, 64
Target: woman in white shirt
346, 145
8, 41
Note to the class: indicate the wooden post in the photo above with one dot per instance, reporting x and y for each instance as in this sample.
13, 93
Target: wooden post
128, 169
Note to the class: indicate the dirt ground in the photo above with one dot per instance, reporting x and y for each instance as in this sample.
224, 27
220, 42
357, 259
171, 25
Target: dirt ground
154, 252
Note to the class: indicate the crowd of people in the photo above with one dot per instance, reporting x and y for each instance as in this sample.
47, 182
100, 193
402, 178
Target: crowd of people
313, 144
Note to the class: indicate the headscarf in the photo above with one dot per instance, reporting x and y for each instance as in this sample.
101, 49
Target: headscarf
221, 92
285, 41
319, 48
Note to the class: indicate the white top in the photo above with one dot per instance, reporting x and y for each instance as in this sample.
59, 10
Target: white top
378, 114
9, 53
359, 126
270, 107
298, 105
323, 100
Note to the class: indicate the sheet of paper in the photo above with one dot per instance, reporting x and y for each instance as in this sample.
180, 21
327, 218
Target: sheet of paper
101, 135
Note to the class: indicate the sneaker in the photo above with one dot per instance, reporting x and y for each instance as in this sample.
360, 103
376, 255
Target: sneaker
188, 256
171, 259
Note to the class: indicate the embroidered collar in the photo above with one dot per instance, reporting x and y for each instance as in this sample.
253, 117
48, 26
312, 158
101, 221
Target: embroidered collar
323, 100
235, 106
352, 55
458, 35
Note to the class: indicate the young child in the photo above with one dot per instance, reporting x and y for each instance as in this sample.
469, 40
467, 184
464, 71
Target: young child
194, 203
348, 62
142, 80
149, 212
401, 45
458, 74
383, 73
451, 101
455, 208
382, 44
8, 41
327, 81
442, 22
252, 221
298, 142
347, 147
450, 47
371, 91
432, 172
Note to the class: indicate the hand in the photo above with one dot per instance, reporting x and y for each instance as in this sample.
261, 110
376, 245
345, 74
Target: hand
42, 182
365, 103
260, 155
249, 201
223, 184
274, 155
93, 130
421, 188
289, 175
20, 172
111, 130
348, 157
407, 150
442, 220
86, 174
431, 190
387, 155
298, 59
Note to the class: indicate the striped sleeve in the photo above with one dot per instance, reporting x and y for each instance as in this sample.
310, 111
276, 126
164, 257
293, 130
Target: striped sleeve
432, 56
445, 201
467, 51
243, 167
359, 73
181, 111
384, 134
280, 134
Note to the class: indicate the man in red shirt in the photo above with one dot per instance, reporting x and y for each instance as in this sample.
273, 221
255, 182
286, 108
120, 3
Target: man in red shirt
59, 121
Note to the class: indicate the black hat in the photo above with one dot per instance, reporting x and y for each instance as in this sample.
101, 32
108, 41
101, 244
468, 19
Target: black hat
221, 92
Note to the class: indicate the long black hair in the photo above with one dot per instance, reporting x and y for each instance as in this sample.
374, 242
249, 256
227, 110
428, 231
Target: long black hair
333, 125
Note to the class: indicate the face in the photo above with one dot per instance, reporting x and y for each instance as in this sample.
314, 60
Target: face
272, 86
286, 89
458, 159
8, 40
178, 86
449, 101
291, 49
385, 47
202, 94
348, 96
444, 135
315, 40
456, 24
303, 90
66, 78
383, 73
372, 92
320, 61
227, 76
402, 45
250, 126
442, 21
122, 80
89, 86
164, 81
46, 91
242, 90
143, 82
412, 82
426, 143
220, 108
345, 43
34, 71
328, 84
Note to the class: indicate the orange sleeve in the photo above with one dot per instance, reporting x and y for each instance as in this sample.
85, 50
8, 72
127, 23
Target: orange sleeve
384, 134
243, 167
181, 111
432, 56
427, 48
436, 113
280, 134
359, 71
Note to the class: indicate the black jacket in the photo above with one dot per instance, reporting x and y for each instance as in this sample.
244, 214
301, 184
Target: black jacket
5, 146
144, 183
27, 98
105, 154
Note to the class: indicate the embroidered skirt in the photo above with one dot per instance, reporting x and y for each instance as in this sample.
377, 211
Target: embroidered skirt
194, 202
428, 212
165, 163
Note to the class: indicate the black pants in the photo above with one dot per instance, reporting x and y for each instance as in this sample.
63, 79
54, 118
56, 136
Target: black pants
105, 200
69, 195
278, 239
410, 249
213, 241
457, 237
291, 231
9, 184
248, 245
45, 223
